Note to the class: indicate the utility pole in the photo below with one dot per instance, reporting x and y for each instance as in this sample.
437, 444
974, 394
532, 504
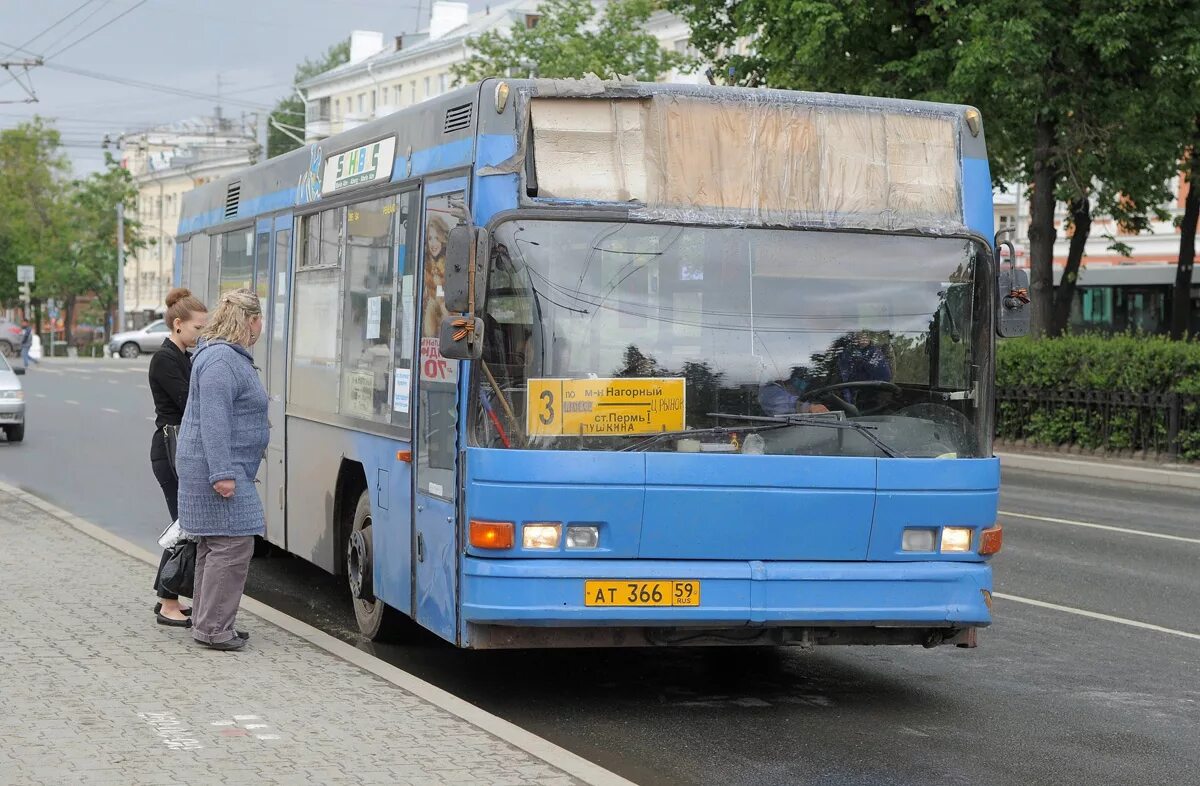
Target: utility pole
13, 76
120, 267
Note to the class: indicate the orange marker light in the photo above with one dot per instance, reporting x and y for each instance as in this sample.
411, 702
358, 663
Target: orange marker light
991, 539
492, 534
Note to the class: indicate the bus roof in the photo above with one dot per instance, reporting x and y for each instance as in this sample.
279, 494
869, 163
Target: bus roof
827, 159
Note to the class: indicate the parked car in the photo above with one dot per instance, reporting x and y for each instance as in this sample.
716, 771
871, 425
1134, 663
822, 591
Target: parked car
132, 343
12, 401
10, 339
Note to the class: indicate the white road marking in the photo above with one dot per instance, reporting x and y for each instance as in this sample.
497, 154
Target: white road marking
221, 723
1090, 525
40, 395
256, 725
115, 382
69, 401
152, 420
113, 411
245, 717
267, 736
1096, 615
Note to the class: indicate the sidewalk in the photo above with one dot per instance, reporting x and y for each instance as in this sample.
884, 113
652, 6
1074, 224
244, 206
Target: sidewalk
93, 692
1171, 475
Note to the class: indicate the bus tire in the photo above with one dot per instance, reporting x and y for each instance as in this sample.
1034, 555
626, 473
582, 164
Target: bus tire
377, 621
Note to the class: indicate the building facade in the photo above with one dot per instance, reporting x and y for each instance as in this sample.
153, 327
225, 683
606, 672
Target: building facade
166, 162
385, 75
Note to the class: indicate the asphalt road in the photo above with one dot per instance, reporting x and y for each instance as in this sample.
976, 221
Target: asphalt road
1050, 696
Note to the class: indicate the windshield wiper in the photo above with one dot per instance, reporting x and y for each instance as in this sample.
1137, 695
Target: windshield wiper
811, 420
698, 432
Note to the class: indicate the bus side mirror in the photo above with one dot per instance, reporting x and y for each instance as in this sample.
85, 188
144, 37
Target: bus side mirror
466, 246
460, 336
1012, 289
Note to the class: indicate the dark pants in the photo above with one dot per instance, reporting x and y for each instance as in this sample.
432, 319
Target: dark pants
170, 487
222, 563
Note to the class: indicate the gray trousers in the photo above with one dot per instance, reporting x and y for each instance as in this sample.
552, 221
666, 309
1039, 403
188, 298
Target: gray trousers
222, 563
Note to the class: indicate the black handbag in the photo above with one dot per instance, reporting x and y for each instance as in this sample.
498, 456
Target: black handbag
171, 442
179, 572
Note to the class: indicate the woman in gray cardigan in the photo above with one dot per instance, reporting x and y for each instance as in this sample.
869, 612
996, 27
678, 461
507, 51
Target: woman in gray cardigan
221, 445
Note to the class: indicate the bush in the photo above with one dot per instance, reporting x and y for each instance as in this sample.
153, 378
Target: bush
1107, 393
1132, 364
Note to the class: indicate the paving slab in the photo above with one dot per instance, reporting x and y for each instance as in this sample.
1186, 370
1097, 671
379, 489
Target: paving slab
92, 691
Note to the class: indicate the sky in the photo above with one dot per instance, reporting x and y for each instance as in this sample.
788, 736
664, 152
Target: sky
246, 49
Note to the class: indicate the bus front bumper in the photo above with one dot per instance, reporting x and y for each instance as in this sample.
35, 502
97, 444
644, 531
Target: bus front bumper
550, 593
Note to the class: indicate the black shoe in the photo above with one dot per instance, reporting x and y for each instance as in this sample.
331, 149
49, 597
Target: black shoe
236, 643
165, 620
243, 635
184, 612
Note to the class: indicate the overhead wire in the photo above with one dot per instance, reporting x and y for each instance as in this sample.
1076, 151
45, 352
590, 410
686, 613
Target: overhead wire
72, 13
116, 18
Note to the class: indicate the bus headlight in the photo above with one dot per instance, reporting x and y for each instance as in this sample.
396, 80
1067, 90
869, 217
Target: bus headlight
956, 539
919, 539
541, 536
583, 537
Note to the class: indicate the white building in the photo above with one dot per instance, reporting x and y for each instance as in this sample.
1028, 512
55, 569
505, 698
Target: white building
165, 163
1157, 245
383, 75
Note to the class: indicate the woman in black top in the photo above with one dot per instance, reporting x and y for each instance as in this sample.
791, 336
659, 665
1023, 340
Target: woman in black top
170, 373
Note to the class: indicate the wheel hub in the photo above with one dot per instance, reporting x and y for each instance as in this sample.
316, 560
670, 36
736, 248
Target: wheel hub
358, 562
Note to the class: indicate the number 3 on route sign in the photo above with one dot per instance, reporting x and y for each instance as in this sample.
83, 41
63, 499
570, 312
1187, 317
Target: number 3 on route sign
605, 407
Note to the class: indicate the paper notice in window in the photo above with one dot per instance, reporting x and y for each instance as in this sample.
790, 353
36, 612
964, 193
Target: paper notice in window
374, 311
400, 394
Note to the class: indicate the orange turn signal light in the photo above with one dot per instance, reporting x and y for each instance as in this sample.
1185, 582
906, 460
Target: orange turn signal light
991, 539
492, 534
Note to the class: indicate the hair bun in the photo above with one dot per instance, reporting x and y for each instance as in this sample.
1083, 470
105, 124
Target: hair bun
177, 294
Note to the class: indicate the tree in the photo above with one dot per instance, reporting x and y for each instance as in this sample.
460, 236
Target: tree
568, 42
289, 111
1181, 305
33, 173
1067, 89
88, 263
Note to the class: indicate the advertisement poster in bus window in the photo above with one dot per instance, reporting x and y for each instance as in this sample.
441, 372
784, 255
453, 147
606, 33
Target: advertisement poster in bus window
442, 214
438, 403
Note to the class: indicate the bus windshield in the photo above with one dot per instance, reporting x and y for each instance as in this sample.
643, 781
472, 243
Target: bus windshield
615, 336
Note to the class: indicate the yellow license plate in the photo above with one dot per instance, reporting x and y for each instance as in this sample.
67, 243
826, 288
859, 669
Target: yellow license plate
641, 592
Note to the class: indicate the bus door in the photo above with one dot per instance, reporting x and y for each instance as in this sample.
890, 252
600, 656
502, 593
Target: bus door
273, 290
435, 514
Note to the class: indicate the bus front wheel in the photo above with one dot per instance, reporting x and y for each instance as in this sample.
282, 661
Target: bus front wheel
377, 621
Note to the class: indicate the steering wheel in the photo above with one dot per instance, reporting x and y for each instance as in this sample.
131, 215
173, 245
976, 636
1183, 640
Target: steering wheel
826, 392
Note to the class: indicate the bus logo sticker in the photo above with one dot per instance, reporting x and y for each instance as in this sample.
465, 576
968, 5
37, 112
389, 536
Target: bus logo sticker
605, 407
361, 166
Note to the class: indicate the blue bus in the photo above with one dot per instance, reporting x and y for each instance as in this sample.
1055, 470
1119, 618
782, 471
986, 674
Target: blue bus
558, 363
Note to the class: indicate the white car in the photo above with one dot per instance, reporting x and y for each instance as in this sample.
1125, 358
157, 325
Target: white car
12, 402
132, 343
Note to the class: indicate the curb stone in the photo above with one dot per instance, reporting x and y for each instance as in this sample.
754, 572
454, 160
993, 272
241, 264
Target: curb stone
1179, 479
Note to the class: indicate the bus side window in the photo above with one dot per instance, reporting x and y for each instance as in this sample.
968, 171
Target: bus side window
368, 349
316, 355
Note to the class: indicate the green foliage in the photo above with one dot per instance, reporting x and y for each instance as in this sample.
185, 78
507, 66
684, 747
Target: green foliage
89, 264
65, 228
1120, 369
289, 111
33, 222
567, 42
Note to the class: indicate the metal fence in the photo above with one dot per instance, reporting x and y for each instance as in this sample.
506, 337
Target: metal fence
1158, 425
